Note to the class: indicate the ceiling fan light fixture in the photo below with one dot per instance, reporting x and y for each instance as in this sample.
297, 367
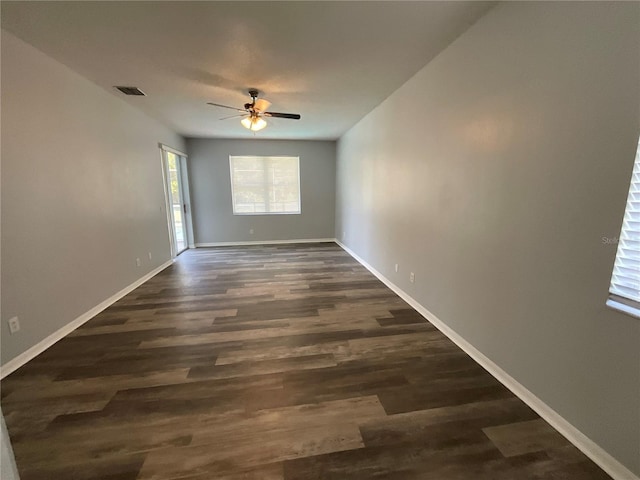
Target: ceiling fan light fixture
255, 112
253, 123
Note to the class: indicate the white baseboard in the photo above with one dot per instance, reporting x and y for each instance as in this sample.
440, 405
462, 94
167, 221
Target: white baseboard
265, 242
15, 363
592, 450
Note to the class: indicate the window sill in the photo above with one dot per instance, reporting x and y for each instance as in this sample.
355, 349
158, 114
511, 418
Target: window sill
267, 213
621, 307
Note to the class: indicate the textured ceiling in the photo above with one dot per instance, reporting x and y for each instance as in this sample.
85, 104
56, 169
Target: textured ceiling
332, 62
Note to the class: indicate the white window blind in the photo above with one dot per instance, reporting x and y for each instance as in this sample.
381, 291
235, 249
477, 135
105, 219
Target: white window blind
265, 185
625, 281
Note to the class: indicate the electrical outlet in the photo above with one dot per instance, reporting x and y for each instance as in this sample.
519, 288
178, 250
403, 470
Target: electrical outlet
14, 325
149, 255
251, 231
138, 262
412, 277
396, 268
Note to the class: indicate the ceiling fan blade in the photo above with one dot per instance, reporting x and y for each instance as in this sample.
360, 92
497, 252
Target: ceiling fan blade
261, 105
226, 106
235, 116
292, 116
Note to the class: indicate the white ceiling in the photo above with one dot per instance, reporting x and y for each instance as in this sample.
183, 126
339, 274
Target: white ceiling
332, 62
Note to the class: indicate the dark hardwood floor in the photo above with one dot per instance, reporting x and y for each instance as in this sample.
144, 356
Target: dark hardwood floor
271, 363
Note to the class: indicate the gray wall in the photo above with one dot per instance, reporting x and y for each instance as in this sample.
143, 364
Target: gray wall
494, 175
213, 219
82, 195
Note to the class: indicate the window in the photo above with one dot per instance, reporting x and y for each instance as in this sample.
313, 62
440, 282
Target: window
265, 185
625, 281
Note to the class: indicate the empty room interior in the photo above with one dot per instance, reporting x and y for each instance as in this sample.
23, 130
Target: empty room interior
320, 240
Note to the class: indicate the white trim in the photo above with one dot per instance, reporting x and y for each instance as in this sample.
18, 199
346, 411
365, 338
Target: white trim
15, 363
603, 459
265, 242
186, 198
623, 307
266, 182
172, 150
259, 214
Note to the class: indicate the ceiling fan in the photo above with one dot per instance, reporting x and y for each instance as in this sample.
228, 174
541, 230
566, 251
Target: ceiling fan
255, 112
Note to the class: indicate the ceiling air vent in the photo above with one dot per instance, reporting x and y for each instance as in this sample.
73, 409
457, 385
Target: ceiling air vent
131, 91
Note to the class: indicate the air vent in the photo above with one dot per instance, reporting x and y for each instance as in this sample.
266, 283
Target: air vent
131, 91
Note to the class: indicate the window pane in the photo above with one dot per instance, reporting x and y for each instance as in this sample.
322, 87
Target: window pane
262, 185
625, 281
176, 202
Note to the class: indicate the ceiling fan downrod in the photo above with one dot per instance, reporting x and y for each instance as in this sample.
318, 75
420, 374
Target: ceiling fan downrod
253, 93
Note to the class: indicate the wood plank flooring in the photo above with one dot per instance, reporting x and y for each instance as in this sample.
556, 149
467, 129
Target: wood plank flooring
271, 363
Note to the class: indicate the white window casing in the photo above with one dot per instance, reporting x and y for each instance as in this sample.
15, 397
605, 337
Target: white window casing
265, 185
625, 280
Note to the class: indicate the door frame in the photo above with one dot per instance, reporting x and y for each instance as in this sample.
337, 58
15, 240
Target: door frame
184, 198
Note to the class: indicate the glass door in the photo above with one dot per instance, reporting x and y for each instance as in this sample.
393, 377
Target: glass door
177, 206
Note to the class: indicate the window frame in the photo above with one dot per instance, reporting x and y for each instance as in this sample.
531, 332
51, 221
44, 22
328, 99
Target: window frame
233, 202
617, 300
